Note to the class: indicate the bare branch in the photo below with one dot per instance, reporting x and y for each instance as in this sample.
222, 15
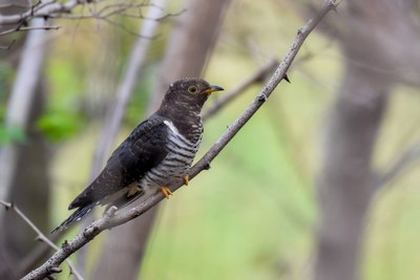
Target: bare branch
109, 221
45, 10
119, 9
259, 76
41, 251
39, 235
8, 47
22, 94
124, 92
20, 28
181, 59
406, 160
54, 9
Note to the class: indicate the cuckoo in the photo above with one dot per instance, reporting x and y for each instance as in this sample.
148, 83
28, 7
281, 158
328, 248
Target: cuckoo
158, 151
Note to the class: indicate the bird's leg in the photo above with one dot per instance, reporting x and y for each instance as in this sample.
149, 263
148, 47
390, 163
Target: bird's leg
186, 180
133, 189
166, 191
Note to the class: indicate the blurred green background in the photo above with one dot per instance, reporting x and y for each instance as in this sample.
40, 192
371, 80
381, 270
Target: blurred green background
253, 214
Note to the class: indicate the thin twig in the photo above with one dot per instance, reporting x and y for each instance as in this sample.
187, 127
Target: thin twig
259, 76
124, 93
41, 251
27, 28
113, 219
407, 159
54, 9
48, 9
8, 47
39, 235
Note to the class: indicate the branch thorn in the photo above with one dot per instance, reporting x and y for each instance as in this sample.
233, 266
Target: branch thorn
262, 98
207, 166
55, 269
65, 244
300, 31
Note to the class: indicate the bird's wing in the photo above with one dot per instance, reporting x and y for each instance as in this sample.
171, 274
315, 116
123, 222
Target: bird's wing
144, 149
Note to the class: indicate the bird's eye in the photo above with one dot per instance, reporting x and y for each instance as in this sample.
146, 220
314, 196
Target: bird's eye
192, 89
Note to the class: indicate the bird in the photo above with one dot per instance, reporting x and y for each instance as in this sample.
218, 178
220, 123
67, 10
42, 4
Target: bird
159, 150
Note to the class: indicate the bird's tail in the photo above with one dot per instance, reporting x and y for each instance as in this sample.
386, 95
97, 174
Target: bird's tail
77, 215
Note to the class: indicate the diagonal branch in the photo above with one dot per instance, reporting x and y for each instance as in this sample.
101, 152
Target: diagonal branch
112, 218
41, 251
39, 235
259, 76
407, 159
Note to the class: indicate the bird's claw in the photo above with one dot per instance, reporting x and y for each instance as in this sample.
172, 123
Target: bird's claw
166, 192
186, 180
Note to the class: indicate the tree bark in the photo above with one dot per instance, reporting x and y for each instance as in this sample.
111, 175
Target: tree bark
346, 183
184, 57
19, 102
29, 188
101, 84
377, 41
18, 179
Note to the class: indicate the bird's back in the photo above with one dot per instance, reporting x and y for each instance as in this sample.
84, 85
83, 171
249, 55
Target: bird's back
144, 149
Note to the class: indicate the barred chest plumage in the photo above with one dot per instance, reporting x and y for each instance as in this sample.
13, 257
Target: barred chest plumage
181, 153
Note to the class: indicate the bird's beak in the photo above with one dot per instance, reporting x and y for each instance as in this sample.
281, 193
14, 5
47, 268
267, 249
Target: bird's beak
212, 89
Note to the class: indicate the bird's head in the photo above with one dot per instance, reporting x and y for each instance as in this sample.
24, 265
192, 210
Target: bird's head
189, 94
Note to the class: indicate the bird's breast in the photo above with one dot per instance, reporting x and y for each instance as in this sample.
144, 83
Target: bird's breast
181, 153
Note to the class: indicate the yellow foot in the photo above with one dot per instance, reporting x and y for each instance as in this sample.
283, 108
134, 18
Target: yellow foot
133, 189
166, 192
186, 180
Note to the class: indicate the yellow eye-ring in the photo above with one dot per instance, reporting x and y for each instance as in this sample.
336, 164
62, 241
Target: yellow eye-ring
192, 89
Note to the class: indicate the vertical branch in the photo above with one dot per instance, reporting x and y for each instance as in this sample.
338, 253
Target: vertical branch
21, 111
346, 182
126, 87
125, 90
183, 57
22, 94
30, 187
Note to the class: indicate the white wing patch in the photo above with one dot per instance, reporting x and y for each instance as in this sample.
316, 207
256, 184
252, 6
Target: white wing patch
175, 131
171, 126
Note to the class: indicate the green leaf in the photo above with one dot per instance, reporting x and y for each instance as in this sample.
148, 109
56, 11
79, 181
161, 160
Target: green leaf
58, 125
9, 135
